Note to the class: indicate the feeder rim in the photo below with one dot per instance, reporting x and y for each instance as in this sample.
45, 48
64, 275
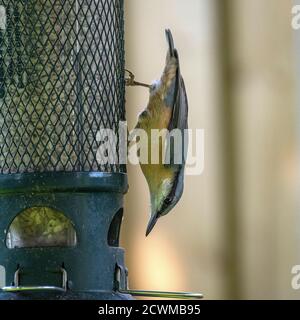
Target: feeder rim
45, 182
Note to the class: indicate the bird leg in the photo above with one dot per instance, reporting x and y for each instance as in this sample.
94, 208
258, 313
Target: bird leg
130, 82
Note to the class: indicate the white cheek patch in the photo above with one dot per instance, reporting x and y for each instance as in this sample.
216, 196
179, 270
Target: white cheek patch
166, 186
164, 189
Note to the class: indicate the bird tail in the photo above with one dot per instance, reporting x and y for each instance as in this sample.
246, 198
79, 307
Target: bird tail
151, 224
170, 42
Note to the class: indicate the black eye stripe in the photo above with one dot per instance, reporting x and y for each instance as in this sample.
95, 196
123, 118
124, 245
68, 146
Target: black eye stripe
168, 200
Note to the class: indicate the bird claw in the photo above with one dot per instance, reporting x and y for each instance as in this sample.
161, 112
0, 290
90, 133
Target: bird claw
130, 82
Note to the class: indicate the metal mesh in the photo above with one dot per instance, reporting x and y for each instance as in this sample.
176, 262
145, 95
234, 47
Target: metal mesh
61, 80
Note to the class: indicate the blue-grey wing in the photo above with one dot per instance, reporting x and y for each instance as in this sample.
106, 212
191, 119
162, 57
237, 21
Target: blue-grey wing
177, 143
177, 150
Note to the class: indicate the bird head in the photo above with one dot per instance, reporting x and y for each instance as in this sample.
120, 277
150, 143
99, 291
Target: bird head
162, 201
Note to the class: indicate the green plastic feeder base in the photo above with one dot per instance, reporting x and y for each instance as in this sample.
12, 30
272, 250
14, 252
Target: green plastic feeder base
92, 267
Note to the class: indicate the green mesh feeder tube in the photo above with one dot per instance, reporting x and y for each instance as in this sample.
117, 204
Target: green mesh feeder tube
61, 81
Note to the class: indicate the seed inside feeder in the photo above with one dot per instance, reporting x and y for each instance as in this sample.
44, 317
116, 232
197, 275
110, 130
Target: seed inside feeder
40, 227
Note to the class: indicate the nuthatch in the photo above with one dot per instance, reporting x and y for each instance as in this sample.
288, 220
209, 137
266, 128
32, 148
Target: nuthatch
167, 109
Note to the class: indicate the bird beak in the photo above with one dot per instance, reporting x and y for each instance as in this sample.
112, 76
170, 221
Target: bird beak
151, 224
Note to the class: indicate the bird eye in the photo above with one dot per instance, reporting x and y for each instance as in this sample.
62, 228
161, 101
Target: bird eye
168, 200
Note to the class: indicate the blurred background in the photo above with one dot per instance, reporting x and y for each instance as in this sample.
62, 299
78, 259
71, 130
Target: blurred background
236, 231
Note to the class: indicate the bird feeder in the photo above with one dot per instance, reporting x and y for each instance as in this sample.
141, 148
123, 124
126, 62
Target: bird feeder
61, 207
61, 81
